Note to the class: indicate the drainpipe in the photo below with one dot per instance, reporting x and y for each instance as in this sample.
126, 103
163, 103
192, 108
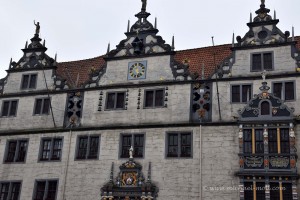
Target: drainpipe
200, 158
67, 166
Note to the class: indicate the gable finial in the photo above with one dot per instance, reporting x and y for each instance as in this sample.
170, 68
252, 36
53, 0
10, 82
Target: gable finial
155, 23
232, 39
55, 58
26, 44
44, 43
173, 44
262, 2
250, 17
293, 34
10, 63
128, 26
144, 5
108, 48
274, 14
37, 27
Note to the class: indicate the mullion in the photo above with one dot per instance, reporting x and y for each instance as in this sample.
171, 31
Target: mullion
51, 149
17, 151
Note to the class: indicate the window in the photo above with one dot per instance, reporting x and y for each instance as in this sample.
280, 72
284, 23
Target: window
9, 108
284, 90
258, 138
51, 149
154, 98
16, 151
42, 106
88, 147
262, 61
265, 108
45, 190
137, 144
29, 81
240, 93
179, 145
279, 140
259, 141
115, 100
10, 190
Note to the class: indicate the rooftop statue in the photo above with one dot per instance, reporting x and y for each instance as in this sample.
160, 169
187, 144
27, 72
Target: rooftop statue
144, 5
37, 27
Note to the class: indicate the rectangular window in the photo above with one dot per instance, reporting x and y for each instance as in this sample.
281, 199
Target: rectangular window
115, 100
273, 141
284, 90
137, 145
42, 106
10, 190
262, 61
260, 191
154, 98
248, 190
45, 190
254, 189
179, 145
16, 151
259, 141
9, 108
29, 81
281, 141
274, 191
249, 138
287, 191
240, 93
51, 149
88, 147
284, 140
247, 141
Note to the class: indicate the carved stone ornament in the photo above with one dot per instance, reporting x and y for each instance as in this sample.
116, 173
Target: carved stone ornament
279, 162
254, 161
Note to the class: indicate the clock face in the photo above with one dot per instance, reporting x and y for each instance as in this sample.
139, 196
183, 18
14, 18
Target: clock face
137, 70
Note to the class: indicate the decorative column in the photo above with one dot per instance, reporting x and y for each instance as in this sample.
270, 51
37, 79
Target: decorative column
241, 146
266, 147
294, 189
267, 188
242, 189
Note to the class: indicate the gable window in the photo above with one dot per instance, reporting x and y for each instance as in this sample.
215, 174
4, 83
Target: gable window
9, 108
284, 90
262, 61
179, 145
265, 108
45, 190
134, 140
42, 106
51, 149
88, 147
240, 93
154, 98
10, 190
29, 81
16, 151
115, 100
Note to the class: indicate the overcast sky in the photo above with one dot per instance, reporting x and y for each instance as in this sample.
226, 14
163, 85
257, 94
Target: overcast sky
81, 29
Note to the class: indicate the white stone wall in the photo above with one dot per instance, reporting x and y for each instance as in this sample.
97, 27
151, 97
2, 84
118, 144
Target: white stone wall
25, 118
14, 80
177, 111
158, 69
176, 178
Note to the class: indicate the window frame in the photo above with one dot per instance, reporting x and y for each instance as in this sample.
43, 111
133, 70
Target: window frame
88, 147
262, 61
154, 98
51, 149
121, 156
241, 92
116, 100
283, 89
42, 106
17, 150
29, 80
10, 188
179, 145
46, 189
9, 108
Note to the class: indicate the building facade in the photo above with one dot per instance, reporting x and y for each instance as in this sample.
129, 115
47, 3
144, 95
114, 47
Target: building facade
147, 122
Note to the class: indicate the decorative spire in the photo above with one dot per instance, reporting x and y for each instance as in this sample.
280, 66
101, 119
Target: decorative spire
293, 34
274, 15
128, 26
262, 2
108, 48
250, 17
262, 13
44, 43
26, 44
173, 44
232, 39
55, 58
144, 5
155, 23
10, 63
149, 173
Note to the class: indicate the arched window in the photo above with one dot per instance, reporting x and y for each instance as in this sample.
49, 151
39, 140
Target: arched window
265, 108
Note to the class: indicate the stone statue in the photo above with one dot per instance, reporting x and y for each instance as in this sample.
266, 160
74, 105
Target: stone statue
131, 152
262, 2
144, 5
37, 27
264, 74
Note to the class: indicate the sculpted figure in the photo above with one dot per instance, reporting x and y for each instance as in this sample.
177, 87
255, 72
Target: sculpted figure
131, 152
37, 27
144, 5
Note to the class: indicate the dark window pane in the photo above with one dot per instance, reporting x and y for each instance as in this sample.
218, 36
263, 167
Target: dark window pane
272, 141
186, 145
38, 106
46, 150
138, 145
259, 141
40, 190
246, 93
94, 146
287, 191
120, 100
260, 191
235, 93
256, 62
284, 140
4, 191
46, 106
248, 189
52, 185
82, 149
12, 147
5, 108
274, 191
289, 91
247, 141
22, 151
277, 90
159, 98
57, 147
126, 144
149, 99
32, 82
268, 61
172, 145
15, 191
13, 108
110, 101
265, 108
25, 82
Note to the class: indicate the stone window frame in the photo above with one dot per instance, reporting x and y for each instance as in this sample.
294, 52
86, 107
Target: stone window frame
29, 81
262, 61
241, 92
283, 89
132, 139
9, 195
154, 95
178, 145
115, 103
88, 147
42, 106
52, 139
46, 189
17, 151
9, 108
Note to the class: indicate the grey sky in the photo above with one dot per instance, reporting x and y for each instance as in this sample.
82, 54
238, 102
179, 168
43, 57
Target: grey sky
78, 29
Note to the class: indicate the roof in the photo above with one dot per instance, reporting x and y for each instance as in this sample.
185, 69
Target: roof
77, 72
